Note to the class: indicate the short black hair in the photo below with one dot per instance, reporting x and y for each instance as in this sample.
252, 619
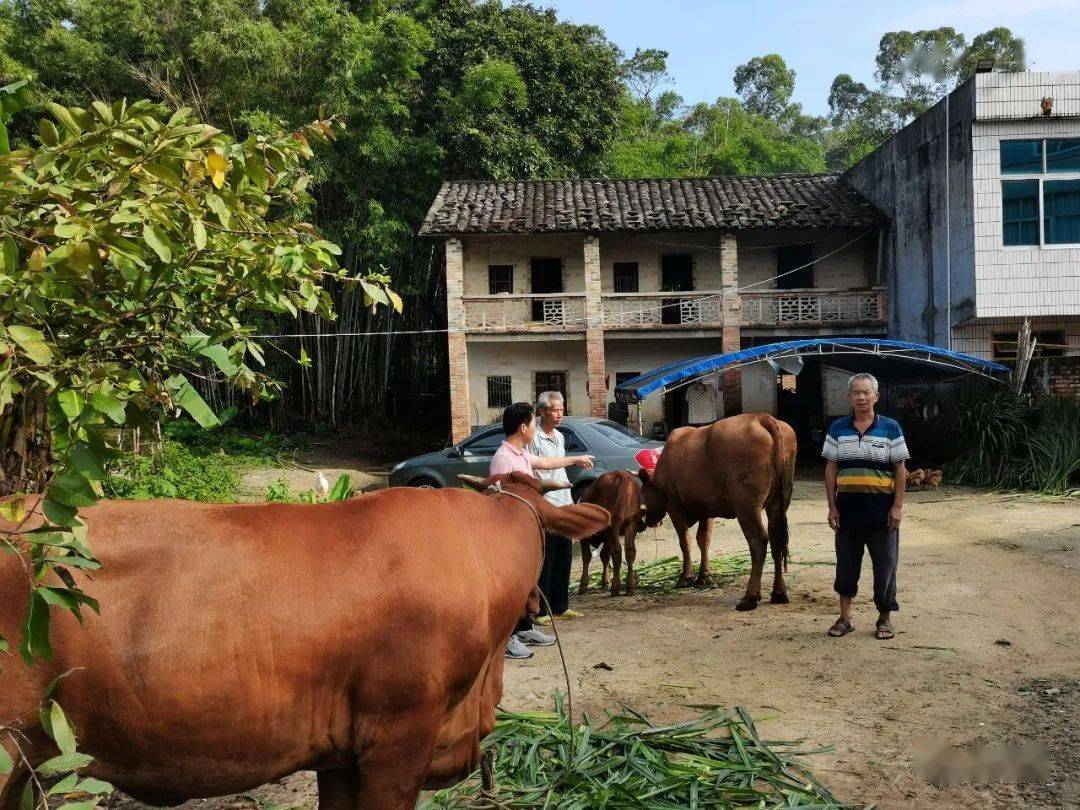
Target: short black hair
516, 415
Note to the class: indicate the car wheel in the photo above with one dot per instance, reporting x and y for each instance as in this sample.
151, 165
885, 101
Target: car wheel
423, 482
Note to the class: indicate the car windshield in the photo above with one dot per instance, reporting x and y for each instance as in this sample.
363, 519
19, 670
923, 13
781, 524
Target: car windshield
484, 445
617, 434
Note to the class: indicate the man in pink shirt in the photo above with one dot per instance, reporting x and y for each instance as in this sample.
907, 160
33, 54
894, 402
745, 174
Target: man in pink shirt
519, 427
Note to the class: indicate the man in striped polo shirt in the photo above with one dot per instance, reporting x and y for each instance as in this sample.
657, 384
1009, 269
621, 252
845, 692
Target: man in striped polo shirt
864, 481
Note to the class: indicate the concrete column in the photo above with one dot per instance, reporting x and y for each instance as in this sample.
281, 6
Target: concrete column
594, 330
460, 421
732, 313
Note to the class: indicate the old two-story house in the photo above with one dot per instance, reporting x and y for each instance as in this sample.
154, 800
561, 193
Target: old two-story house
577, 285
983, 194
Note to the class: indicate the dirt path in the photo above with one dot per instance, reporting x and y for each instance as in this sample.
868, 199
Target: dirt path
976, 571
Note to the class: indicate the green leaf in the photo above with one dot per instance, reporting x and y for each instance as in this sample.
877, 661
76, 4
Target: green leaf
72, 490
217, 205
62, 734
186, 397
35, 643
10, 254
71, 403
26, 798
105, 402
57, 513
6, 765
65, 785
48, 133
156, 239
86, 461
162, 173
395, 300
375, 292
82, 257
64, 116
32, 342
63, 764
304, 359
198, 232
95, 787
342, 488
67, 229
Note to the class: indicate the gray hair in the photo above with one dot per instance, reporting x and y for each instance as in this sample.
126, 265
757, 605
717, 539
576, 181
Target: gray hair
549, 398
861, 377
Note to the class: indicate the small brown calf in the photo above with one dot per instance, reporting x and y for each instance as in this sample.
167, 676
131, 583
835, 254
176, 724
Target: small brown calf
619, 492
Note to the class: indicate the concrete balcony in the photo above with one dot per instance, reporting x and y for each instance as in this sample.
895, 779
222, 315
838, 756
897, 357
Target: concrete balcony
782, 308
673, 310
562, 312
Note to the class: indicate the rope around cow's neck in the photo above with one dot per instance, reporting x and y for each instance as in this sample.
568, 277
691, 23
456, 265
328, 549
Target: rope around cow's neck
497, 490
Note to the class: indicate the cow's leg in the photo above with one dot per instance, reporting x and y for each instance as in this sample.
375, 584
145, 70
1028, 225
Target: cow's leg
586, 558
393, 768
682, 529
630, 544
605, 562
611, 543
778, 543
754, 530
704, 536
339, 790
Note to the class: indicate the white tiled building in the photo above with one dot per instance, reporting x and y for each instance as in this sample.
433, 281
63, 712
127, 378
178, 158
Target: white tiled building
986, 221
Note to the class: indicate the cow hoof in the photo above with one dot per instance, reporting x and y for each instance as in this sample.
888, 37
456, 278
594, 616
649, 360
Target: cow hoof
582, 590
631, 590
747, 603
683, 582
616, 590
703, 581
779, 598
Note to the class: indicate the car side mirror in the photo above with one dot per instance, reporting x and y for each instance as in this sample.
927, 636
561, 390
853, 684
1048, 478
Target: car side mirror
454, 452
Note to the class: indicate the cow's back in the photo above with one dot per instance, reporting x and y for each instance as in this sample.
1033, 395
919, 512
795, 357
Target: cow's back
266, 633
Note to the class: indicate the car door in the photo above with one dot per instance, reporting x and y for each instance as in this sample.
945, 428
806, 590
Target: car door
474, 455
575, 446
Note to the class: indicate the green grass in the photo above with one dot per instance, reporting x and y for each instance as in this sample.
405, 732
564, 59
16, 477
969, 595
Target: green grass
716, 760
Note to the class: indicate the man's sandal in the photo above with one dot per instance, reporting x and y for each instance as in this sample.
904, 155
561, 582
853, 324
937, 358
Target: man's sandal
841, 628
884, 630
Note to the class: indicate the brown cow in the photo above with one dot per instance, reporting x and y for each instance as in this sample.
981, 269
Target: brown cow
619, 492
238, 643
733, 468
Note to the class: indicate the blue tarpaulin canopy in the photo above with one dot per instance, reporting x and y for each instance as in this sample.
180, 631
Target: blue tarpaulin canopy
674, 374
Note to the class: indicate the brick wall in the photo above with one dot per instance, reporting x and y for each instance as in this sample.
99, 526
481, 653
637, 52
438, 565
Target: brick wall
1056, 376
594, 330
732, 334
460, 423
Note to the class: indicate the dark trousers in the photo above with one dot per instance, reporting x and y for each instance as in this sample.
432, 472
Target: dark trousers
884, 546
555, 575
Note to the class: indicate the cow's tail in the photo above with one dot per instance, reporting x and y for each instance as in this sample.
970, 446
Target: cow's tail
776, 505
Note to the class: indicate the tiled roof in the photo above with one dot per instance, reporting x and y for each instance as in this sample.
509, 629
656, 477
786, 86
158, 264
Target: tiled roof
728, 203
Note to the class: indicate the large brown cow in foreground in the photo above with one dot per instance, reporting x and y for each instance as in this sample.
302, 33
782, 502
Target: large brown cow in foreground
619, 492
239, 643
734, 468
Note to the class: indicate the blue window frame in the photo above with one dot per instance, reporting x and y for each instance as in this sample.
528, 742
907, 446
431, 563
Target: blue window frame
1061, 212
1021, 157
1020, 212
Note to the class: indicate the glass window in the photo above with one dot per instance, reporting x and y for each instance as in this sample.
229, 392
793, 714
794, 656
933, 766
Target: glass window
1061, 212
574, 445
485, 444
1020, 212
1021, 157
1063, 155
617, 434
1048, 343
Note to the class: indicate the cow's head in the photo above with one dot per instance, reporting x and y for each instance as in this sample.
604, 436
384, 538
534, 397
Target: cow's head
654, 501
576, 521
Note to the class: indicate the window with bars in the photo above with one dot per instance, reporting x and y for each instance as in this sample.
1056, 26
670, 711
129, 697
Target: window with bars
500, 278
499, 392
1048, 343
1040, 192
625, 277
551, 381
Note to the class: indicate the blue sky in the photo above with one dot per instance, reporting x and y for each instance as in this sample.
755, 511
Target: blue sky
707, 40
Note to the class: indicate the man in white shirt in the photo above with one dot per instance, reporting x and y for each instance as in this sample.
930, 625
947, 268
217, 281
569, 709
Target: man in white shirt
549, 442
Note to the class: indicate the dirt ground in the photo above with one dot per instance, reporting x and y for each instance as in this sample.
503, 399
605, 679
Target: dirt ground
987, 651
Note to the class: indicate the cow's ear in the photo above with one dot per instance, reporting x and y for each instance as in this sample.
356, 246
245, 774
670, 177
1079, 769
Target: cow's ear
577, 521
645, 475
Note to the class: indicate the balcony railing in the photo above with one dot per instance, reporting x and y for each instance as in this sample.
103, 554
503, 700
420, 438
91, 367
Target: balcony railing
564, 312
813, 307
662, 310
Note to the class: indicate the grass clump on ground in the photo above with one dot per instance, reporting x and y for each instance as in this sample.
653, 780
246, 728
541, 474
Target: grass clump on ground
717, 760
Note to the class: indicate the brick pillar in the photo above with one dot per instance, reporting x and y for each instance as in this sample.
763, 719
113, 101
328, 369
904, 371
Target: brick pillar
460, 422
732, 312
594, 330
